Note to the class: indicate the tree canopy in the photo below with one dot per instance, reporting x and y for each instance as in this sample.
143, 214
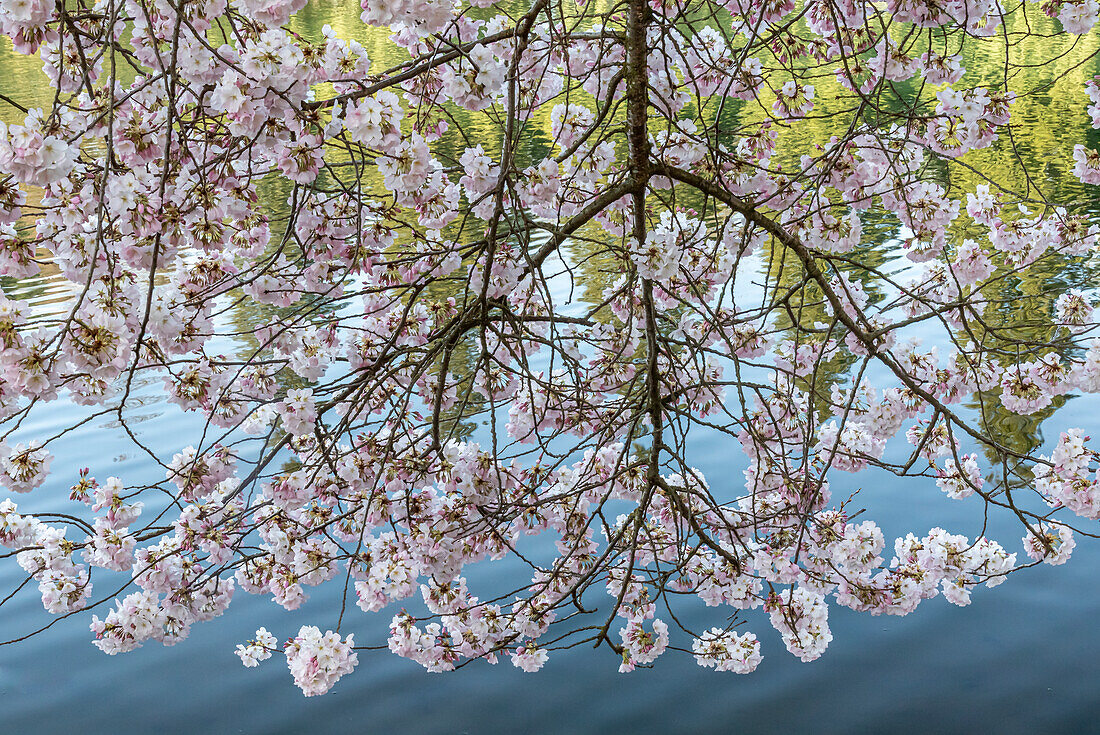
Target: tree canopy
461, 282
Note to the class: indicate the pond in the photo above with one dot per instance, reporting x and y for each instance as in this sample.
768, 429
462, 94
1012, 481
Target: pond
1021, 658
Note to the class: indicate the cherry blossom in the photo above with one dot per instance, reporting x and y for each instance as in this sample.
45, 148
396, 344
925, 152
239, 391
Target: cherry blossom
453, 284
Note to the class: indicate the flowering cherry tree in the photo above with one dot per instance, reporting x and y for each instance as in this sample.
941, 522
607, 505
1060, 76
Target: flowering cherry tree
504, 280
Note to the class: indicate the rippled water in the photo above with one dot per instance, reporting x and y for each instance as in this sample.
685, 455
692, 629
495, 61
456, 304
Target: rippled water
1022, 658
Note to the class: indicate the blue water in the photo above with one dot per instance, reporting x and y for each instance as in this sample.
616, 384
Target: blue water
1021, 659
